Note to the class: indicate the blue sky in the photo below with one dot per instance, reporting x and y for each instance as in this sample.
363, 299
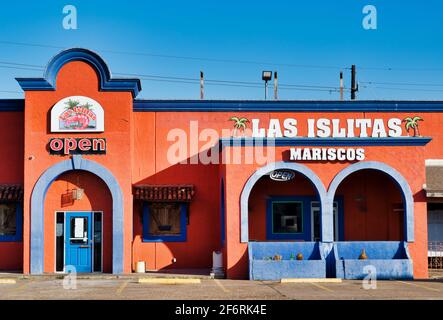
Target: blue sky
307, 42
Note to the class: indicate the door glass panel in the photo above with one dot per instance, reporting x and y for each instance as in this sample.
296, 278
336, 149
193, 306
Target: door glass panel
79, 230
60, 241
315, 209
97, 241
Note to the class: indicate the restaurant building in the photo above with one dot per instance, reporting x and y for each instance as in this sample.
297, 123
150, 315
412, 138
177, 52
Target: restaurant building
93, 179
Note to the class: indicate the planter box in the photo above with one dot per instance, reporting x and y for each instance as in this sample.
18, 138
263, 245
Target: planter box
390, 259
261, 268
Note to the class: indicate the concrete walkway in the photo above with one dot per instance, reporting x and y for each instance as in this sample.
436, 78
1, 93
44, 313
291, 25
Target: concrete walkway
131, 288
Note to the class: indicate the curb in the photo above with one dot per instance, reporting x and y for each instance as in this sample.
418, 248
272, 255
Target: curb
310, 280
169, 281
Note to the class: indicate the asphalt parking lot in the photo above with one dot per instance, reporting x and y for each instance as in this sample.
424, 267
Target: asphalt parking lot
95, 289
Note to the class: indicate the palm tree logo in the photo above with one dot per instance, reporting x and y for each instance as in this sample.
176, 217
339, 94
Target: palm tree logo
239, 124
412, 123
71, 104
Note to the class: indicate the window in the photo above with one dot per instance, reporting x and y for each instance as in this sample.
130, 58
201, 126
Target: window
316, 221
164, 221
287, 217
10, 221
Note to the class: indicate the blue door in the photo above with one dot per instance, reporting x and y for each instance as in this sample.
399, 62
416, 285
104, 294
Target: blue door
79, 241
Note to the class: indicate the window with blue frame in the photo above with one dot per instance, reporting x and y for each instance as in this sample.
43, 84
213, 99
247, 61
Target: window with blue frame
11, 219
164, 221
288, 218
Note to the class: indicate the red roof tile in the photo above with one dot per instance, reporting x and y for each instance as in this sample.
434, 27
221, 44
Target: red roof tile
11, 192
163, 193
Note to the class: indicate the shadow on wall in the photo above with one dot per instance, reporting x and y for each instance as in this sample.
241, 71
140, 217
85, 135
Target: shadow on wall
203, 228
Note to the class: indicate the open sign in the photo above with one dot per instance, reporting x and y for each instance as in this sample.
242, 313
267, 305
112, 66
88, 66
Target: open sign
282, 175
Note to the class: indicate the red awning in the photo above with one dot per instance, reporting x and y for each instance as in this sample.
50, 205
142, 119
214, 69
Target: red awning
11, 192
164, 193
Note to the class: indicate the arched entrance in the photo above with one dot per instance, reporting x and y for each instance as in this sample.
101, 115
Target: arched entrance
38, 201
316, 189
390, 195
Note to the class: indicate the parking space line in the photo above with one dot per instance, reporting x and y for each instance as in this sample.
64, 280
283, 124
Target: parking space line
419, 285
321, 287
122, 287
221, 286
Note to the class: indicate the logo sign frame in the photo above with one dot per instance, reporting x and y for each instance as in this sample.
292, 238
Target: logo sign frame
67, 146
77, 114
282, 175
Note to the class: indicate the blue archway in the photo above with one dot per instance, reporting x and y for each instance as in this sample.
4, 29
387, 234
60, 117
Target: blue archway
38, 201
326, 210
394, 175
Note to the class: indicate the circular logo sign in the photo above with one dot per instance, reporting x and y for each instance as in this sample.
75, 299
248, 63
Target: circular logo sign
282, 175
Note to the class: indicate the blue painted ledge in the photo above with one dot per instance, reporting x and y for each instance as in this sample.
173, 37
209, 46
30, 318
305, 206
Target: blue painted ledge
390, 259
12, 105
303, 141
261, 267
286, 106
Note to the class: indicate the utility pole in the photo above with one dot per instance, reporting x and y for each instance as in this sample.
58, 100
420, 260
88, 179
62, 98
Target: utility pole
354, 87
341, 85
202, 86
275, 86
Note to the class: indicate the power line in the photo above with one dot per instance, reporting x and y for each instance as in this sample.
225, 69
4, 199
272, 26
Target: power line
187, 80
404, 89
403, 84
183, 57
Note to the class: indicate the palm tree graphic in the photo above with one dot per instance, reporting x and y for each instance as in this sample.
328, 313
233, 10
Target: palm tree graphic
71, 104
239, 124
412, 123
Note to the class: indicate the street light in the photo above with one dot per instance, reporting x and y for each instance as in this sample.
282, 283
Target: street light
266, 76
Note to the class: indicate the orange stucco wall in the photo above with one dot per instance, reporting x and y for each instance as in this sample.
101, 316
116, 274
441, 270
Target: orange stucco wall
79, 78
11, 172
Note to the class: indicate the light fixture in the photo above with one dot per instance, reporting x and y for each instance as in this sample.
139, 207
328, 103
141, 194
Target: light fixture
266, 76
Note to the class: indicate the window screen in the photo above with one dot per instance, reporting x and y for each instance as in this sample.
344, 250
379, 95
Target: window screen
60, 241
164, 219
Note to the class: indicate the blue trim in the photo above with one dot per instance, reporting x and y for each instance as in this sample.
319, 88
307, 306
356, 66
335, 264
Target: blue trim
222, 213
179, 238
408, 199
303, 141
37, 209
285, 106
327, 233
16, 105
107, 83
306, 218
18, 237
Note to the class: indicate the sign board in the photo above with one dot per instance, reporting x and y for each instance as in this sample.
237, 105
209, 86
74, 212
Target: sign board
282, 175
77, 114
65, 146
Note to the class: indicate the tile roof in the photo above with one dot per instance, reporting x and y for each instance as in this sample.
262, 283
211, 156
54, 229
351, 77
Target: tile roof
164, 193
11, 192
